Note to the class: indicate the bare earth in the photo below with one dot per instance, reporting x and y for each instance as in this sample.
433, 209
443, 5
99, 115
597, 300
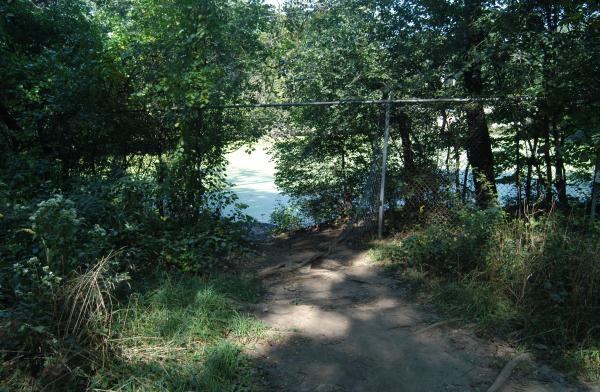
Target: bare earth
344, 326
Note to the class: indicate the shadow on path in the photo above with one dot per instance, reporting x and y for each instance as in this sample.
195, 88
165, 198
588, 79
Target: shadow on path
345, 327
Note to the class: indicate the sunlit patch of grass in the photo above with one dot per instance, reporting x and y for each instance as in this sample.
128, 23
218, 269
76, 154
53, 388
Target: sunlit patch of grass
245, 328
584, 361
183, 334
390, 256
387, 252
218, 367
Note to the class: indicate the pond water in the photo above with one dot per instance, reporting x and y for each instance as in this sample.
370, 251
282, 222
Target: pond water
253, 178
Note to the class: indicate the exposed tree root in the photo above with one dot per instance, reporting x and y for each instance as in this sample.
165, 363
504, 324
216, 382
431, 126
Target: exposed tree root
282, 268
435, 325
507, 370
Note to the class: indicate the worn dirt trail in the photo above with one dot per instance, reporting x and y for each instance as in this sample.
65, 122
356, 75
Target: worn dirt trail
346, 327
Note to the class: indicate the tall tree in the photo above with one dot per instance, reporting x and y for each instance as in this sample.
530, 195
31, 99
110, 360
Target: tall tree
479, 146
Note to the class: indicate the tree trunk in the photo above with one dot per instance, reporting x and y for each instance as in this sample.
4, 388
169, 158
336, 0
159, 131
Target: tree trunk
345, 189
464, 185
595, 187
559, 169
479, 145
548, 163
545, 110
479, 153
12, 127
518, 171
457, 171
404, 127
531, 162
449, 137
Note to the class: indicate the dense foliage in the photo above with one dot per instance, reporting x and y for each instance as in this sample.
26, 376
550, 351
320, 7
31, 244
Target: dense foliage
535, 145
113, 136
109, 169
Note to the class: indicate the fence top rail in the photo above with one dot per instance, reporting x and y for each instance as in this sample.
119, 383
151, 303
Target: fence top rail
404, 101
401, 101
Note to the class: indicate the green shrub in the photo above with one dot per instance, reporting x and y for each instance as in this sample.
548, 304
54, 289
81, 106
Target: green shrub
57, 225
392, 252
583, 360
453, 248
286, 219
205, 250
50, 244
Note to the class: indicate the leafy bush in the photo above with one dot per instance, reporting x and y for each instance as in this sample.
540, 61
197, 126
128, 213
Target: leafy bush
286, 219
57, 226
65, 257
453, 248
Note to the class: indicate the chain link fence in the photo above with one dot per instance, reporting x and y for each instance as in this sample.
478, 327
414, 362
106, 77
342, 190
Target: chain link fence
332, 152
430, 178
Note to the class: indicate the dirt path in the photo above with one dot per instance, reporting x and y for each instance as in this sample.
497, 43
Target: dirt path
346, 327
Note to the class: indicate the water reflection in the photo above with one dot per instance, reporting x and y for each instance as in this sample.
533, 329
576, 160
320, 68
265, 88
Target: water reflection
253, 178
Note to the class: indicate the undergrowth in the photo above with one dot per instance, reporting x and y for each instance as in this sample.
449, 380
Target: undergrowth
80, 306
535, 281
184, 333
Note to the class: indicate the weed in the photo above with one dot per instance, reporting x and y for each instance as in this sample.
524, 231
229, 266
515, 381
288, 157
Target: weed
287, 219
477, 302
584, 361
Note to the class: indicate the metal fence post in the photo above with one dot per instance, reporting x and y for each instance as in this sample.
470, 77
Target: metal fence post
386, 137
595, 186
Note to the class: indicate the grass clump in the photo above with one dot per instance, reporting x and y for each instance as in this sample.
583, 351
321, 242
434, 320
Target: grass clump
219, 367
536, 280
476, 302
182, 334
584, 361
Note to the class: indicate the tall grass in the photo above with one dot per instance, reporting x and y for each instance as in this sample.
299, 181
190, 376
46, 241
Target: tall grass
536, 280
170, 332
182, 334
